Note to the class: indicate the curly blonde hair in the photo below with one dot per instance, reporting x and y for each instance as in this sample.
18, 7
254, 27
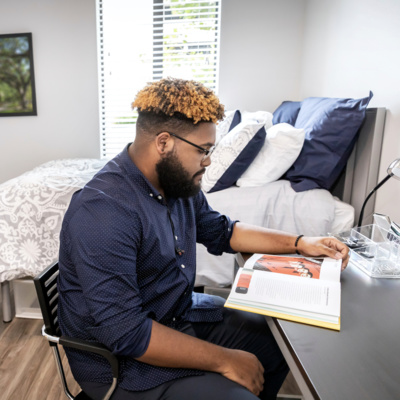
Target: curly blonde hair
172, 97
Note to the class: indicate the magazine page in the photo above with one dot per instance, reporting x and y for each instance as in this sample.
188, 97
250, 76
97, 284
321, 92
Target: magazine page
282, 292
323, 268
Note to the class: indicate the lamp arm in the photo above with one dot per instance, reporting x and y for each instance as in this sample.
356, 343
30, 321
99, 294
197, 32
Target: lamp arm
369, 196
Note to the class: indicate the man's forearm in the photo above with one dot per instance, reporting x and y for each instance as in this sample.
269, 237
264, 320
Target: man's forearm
170, 348
252, 239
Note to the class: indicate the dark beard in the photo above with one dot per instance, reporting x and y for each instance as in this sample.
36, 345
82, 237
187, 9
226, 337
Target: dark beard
174, 179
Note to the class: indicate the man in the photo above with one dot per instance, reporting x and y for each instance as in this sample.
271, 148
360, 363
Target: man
128, 264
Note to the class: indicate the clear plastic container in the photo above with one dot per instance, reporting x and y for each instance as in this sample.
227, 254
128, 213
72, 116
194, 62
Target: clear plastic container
374, 250
353, 238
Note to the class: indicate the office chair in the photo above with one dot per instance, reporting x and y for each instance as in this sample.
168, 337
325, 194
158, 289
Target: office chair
47, 291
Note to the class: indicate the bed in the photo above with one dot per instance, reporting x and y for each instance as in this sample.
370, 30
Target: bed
311, 212
32, 207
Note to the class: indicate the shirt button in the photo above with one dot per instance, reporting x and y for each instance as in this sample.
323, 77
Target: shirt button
151, 194
183, 266
159, 197
174, 319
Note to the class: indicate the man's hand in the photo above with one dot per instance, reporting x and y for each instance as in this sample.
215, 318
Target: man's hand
170, 348
243, 368
324, 246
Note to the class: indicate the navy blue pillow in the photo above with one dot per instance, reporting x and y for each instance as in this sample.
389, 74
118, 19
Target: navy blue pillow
331, 127
286, 112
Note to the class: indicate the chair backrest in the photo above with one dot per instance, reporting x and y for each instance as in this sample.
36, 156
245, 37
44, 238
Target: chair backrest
47, 292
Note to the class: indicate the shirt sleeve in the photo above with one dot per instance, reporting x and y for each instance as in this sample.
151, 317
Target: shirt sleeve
103, 240
213, 229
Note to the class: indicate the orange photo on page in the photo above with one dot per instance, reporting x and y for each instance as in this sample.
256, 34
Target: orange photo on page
295, 266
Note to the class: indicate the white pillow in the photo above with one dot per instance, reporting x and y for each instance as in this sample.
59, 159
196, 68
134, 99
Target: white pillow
280, 150
259, 116
234, 153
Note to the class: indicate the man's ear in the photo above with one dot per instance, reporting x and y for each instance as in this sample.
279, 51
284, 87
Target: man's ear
163, 142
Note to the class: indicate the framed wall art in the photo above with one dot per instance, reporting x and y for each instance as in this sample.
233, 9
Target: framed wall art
17, 80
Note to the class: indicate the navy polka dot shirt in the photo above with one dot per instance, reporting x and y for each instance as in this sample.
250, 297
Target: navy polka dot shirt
128, 257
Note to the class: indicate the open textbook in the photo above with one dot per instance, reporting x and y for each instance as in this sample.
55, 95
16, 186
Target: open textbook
299, 289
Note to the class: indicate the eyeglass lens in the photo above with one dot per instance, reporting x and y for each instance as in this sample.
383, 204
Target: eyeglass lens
208, 154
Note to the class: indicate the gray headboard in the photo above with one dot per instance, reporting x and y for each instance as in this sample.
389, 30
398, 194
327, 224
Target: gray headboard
362, 170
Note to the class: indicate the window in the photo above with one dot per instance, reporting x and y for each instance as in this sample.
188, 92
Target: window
141, 41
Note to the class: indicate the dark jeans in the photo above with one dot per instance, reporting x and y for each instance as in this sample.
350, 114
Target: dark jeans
239, 330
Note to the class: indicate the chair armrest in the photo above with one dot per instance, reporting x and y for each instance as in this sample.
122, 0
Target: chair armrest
93, 348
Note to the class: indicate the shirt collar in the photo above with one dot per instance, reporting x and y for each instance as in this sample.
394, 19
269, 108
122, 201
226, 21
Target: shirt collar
133, 171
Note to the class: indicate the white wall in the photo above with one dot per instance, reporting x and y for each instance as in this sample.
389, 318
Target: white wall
259, 63
64, 45
272, 50
261, 44
351, 47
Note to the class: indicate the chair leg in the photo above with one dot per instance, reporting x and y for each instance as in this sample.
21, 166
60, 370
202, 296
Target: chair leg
60, 369
6, 301
111, 390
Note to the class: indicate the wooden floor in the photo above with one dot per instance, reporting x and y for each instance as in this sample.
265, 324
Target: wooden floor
28, 371
27, 368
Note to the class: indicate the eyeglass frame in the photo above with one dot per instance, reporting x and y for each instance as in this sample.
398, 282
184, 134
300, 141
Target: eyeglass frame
207, 153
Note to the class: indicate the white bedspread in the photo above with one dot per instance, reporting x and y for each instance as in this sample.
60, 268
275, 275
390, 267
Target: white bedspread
32, 207
275, 206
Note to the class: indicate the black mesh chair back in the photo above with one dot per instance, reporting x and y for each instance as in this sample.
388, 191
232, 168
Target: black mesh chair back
47, 292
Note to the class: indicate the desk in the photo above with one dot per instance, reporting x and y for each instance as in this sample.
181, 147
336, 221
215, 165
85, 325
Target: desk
362, 361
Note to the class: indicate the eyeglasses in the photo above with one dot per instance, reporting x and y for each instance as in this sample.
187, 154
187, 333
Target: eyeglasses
207, 153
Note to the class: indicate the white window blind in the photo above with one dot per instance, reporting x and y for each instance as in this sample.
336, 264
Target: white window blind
140, 41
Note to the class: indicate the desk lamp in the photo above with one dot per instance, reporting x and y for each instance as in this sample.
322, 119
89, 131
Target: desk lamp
393, 170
